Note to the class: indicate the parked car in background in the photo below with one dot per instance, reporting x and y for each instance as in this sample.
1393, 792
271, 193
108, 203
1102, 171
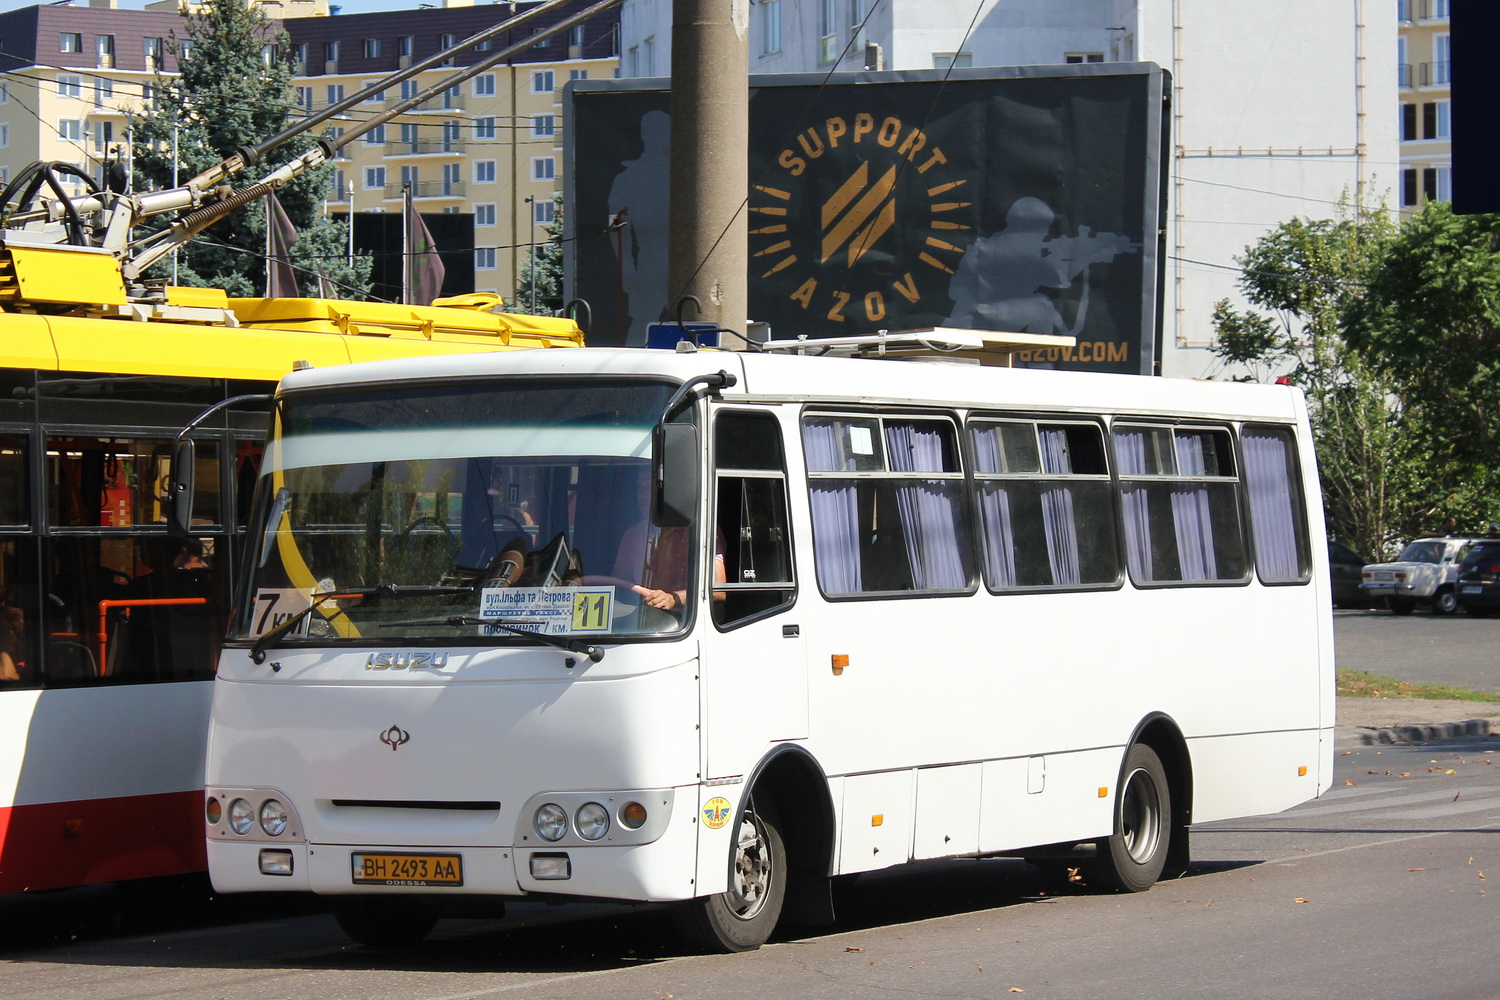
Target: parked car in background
1479, 579
1426, 572
1344, 568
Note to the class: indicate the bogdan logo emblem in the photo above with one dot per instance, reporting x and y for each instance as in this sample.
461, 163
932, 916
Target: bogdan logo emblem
892, 225
716, 813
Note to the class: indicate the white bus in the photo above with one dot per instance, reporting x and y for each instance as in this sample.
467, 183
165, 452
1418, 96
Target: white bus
714, 628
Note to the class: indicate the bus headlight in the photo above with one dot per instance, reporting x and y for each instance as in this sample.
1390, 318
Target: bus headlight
273, 818
592, 821
551, 822
241, 817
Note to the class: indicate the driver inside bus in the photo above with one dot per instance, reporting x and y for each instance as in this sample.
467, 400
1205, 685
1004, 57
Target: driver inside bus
658, 557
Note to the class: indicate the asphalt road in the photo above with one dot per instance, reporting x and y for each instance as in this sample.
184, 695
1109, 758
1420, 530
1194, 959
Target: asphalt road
1422, 648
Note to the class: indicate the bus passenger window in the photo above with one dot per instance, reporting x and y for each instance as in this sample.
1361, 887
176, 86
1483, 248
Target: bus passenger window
1045, 504
1180, 500
1276, 508
750, 515
887, 504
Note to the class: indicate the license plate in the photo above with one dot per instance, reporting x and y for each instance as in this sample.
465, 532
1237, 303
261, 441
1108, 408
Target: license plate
407, 869
1472, 589
1383, 576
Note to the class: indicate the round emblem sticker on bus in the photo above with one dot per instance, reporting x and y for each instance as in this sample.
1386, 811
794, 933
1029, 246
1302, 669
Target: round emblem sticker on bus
716, 813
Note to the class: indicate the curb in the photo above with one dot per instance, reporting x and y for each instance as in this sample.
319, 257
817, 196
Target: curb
1421, 733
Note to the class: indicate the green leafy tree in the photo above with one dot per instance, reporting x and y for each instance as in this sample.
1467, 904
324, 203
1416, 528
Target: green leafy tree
232, 90
1311, 275
542, 271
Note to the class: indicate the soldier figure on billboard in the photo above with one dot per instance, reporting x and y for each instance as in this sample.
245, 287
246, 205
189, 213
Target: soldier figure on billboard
1001, 281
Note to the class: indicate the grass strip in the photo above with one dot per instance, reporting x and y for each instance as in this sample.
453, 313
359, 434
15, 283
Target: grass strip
1363, 684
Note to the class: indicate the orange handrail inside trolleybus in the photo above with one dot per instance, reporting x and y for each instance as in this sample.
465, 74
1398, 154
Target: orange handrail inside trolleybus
101, 641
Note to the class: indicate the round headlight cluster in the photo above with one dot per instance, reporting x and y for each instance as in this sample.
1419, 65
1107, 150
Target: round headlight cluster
274, 816
590, 822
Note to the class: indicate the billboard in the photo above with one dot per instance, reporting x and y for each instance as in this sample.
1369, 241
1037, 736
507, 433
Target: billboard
1024, 199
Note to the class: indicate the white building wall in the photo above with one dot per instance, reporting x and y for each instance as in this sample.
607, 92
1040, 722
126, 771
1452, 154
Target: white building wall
1279, 109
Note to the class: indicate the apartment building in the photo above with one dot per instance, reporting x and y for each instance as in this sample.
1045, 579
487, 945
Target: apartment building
73, 78
1278, 110
1424, 71
490, 146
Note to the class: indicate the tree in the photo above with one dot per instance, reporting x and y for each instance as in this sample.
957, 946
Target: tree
232, 87
1312, 275
542, 273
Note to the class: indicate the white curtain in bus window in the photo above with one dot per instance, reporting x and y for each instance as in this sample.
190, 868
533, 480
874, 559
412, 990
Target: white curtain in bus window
1044, 501
1276, 518
886, 497
1179, 497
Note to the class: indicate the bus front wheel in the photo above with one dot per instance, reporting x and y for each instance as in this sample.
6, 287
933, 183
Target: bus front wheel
1133, 858
742, 918
385, 921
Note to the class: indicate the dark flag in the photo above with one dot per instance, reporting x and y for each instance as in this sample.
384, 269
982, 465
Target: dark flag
425, 269
281, 277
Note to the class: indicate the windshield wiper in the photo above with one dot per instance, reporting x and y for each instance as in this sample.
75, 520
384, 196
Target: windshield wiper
594, 653
258, 650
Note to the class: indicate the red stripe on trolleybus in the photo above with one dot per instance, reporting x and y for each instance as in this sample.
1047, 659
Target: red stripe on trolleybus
53, 845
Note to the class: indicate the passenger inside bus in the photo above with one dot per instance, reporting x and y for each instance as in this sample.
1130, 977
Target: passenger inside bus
658, 557
12, 628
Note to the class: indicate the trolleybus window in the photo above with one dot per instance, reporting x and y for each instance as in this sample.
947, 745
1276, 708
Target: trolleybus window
1046, 505
751, 517
1277, 519
887, 505
1180, 504
15, 484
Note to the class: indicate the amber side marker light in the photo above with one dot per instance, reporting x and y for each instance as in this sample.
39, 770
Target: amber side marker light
840, 661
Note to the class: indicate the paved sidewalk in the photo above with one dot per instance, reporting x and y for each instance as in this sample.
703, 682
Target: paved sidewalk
1366, 721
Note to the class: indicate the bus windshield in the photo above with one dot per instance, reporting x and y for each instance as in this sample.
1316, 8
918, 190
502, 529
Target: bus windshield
462, 512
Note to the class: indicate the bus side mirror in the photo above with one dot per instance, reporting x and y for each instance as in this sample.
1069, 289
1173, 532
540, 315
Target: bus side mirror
674, 473
180, 489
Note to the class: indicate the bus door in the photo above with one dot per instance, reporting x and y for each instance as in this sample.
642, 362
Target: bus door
754, 671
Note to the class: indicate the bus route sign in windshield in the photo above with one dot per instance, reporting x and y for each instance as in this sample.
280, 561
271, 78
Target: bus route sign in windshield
548, 610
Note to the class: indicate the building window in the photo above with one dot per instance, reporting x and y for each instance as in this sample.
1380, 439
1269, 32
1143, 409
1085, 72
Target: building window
1436, 73
374, 178
270, 55
1442, 125
543, 212
375, 97
4, 91
299, 56
154, 50
408, 89
403, 46
484, 128
952, 60
1409, 123
542, 82
451, 133
69, 86
104, 46
484, 171
633, 61
331, 51
828, 40
104, 90
184, 49
104, 134
541, 43
452, 97
770, 27
70, 41
305, 98
335, 93
452, 181
409, 178
543, 168
376, 136
578, 74
70, 129
1083, 57
648, 57
484, 258
575, 36
484, 215
484, 85
372, 48
4, 134
447, 41
543, 126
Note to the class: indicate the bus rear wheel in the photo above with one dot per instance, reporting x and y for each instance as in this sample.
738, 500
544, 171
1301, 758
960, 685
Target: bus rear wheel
385, 921
742, 918
1133, 858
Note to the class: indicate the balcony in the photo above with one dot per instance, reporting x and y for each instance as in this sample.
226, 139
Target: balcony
1432, 10
1403, 76
1437, 74
428, 189
424, 147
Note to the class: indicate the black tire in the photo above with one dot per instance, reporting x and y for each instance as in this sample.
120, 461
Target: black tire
742, 918
1477, 611
1445, 602
1400, 605
1133, 858
385, 921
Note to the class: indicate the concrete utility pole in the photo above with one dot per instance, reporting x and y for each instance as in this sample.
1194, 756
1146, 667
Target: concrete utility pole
710, 155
